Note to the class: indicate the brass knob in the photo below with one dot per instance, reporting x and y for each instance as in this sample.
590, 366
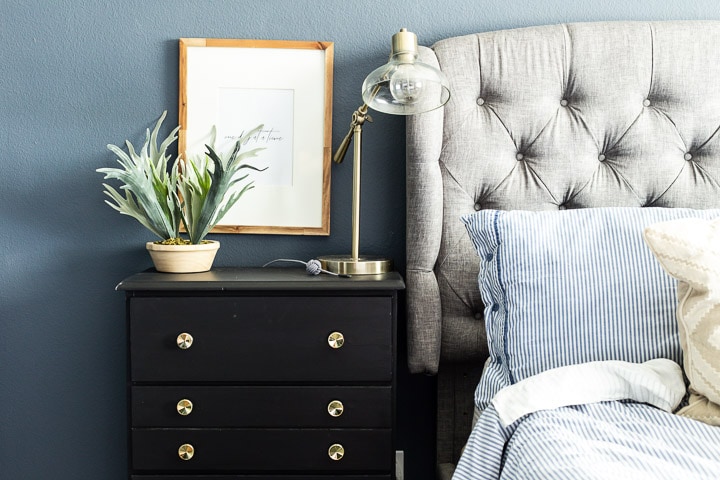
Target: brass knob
336, 451
184, 341
186, 451
336, 340
184, 407
335, 408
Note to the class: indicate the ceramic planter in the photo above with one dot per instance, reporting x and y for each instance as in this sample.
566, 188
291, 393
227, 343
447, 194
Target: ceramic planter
183, 258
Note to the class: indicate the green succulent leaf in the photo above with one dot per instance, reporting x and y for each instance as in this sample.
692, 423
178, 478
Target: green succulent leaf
211, 185
146, 183
195, 192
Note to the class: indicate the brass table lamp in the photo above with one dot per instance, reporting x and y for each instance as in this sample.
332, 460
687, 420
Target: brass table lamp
403, 86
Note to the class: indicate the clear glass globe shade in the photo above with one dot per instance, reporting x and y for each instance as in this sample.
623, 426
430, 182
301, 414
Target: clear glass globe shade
405, 88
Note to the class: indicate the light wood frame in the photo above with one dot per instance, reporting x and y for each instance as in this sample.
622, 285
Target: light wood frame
304, 68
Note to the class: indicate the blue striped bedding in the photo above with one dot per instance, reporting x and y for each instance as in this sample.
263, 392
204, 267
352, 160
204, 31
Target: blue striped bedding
572, 286
562, 289
614, 440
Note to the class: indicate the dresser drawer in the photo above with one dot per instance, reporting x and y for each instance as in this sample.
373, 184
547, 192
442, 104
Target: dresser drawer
260, 477
258, 450
265, 406
260, 339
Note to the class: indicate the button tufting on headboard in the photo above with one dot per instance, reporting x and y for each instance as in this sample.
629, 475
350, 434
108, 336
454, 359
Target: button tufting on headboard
570, 116
545, 118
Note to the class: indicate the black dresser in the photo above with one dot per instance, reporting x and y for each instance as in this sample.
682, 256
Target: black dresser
258, 373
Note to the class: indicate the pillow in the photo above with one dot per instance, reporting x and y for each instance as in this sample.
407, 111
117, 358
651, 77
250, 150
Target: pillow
571, 286
689, 250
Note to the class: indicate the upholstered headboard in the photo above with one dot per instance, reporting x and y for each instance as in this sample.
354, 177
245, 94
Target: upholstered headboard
542, 118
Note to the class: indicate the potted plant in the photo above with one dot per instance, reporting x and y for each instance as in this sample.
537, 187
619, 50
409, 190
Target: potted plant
164, 195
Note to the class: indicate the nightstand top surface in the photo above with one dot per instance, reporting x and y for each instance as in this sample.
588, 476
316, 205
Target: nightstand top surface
258, 278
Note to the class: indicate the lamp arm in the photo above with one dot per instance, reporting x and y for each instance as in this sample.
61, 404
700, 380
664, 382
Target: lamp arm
358, 119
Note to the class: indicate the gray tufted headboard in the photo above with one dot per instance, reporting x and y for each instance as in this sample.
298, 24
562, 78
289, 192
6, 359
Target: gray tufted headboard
541, 118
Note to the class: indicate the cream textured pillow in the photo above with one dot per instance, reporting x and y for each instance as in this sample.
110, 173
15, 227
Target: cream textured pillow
689, 250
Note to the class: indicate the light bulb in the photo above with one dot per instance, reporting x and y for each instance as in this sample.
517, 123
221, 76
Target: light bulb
405, 85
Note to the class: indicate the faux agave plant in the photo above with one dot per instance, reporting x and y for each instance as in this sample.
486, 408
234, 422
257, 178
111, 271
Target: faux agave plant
193, 192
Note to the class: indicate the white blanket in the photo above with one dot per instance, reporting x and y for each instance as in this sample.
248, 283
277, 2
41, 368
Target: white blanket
658, 382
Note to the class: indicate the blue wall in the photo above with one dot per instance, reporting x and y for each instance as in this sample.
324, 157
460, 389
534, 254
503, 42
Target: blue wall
76, 75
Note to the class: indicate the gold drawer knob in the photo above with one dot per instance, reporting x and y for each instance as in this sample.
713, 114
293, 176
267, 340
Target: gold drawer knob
186, 451
335, 408
184, 341
184, 407
336, 340
336, 451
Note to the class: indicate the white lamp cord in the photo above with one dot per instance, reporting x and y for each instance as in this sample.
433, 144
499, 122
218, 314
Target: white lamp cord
312, 267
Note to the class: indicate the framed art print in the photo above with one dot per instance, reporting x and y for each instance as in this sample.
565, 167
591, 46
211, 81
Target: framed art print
235, 85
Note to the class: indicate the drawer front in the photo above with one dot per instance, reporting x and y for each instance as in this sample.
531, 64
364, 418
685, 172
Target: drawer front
255, 450
267, 406
260, 339
259, 477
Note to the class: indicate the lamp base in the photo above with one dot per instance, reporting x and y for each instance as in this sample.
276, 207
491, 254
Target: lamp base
362, 265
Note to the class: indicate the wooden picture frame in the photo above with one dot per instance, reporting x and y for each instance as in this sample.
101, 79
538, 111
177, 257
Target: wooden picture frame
234, 85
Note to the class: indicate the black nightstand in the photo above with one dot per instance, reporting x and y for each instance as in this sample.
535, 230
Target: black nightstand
257, 373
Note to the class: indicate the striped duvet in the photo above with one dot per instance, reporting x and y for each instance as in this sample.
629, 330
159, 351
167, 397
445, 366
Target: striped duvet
614, 440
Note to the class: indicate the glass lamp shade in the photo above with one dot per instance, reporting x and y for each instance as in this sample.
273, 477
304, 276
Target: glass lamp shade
404, 85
